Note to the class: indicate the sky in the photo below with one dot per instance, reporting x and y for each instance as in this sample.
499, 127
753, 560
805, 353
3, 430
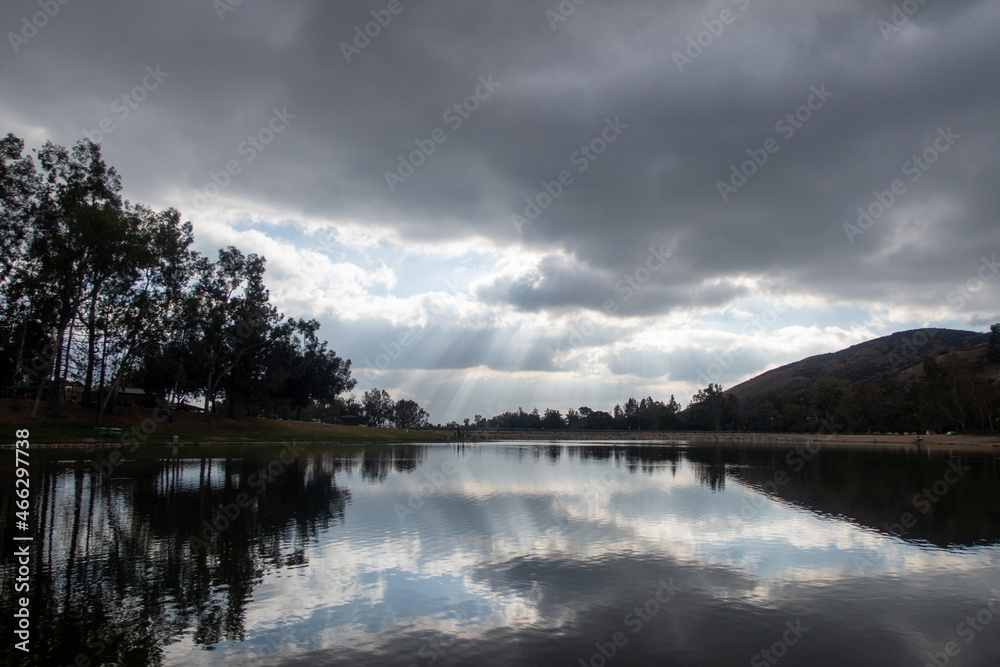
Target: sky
552, 204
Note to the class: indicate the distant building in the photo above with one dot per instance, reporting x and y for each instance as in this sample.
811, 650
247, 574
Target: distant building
350, 420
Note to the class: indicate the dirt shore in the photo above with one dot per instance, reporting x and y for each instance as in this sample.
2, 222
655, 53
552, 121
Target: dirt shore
977, 442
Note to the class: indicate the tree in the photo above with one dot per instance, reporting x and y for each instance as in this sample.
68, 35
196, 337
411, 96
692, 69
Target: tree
234, 320
668, 418
993, 346
302, 370
553, 419
378, 407
138, 309
19, 186
598, 420
108, 293
407, 414
78, 234
829, 396
705, 411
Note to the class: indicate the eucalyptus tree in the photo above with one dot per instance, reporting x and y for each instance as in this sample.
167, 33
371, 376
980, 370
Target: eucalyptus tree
234, 319
407, 414
313, 373
147, 305
78, 231
19, 183
378, 407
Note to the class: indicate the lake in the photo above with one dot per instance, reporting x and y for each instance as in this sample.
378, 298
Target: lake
512, 554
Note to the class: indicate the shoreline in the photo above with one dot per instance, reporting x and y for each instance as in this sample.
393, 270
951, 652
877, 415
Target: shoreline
975, 442
978, 443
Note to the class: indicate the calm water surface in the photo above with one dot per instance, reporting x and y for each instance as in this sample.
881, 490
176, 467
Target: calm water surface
514, 554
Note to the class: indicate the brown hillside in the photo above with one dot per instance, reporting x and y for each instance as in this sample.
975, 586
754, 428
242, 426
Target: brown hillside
898, 356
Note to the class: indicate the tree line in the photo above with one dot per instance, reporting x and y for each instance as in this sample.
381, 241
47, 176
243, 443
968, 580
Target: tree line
950, 395
708, 410
378, 410
98, 294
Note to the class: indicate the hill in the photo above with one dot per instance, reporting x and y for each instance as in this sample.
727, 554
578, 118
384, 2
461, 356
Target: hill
896, 357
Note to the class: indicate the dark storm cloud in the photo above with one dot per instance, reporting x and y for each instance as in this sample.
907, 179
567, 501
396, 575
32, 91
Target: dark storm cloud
535, 102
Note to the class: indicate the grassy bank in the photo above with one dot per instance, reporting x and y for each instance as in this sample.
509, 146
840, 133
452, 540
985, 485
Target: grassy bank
151, 428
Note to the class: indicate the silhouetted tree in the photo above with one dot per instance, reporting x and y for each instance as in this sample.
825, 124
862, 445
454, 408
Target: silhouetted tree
378, 407
993, 345
407, 414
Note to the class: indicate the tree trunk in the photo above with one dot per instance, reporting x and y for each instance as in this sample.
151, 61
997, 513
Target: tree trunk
17, 362
112, 395
54, 397
208, 389
65, 373
104, 367
91, 348
43, 378
41, 388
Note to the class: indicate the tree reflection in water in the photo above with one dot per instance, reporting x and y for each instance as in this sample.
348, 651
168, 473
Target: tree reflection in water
115, 553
